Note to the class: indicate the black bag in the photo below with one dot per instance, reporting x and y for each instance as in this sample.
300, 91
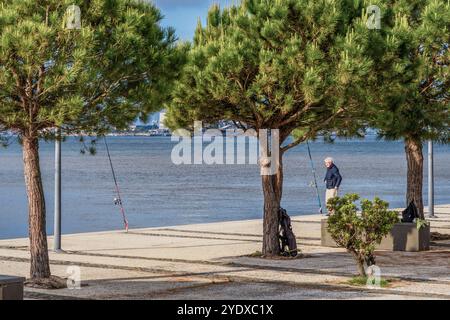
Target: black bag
410, 213
288, 243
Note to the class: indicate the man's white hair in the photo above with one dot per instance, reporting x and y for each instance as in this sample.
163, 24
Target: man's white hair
329, 159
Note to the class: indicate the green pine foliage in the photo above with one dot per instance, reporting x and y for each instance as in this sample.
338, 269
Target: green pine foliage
288, 65
412, 71
410, 96
119, 66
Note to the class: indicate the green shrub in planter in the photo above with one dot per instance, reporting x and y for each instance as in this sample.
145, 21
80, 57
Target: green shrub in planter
360, 232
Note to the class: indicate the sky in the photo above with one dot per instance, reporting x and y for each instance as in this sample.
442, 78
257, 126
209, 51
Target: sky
183, 14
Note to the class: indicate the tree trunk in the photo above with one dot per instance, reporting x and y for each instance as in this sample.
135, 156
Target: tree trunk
273, 191
279, 180
360, 263
361, 269
271, 244
272, 179
40, 267
414, 158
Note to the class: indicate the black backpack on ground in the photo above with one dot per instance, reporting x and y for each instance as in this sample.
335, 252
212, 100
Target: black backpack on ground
288, 243
410, 213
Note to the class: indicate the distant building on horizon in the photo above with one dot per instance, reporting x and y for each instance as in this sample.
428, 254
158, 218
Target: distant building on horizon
155, 119
162, 117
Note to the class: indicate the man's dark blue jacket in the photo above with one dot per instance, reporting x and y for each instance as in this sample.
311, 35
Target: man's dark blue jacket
333, 177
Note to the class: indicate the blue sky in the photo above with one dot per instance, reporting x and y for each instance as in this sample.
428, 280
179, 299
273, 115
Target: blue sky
183, 14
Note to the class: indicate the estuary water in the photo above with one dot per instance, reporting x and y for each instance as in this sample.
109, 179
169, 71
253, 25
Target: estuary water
157, 192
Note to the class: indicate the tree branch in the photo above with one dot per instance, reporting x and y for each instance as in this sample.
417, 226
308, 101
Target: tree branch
296, 115
296, 142
312, 131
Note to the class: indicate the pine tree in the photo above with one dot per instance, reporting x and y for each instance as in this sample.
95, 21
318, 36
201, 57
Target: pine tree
117, 67
411, 58
293, 65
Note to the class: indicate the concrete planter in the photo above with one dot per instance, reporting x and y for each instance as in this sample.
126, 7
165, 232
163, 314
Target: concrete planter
403, 237
11, 288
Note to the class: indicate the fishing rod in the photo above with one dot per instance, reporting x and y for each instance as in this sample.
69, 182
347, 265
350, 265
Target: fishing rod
118, 200
315, 178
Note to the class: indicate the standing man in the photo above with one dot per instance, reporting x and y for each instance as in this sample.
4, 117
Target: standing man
333, 180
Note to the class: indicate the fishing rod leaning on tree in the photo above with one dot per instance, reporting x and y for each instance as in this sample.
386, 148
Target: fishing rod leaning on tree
118, 199
314, 183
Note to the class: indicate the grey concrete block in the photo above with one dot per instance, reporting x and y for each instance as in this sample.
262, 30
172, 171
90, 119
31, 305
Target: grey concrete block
403, 237
11, 288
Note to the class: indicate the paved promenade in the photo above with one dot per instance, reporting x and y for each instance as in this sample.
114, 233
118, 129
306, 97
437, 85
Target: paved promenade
212, 261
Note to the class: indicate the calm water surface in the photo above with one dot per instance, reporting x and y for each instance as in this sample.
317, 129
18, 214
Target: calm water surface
159, 193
